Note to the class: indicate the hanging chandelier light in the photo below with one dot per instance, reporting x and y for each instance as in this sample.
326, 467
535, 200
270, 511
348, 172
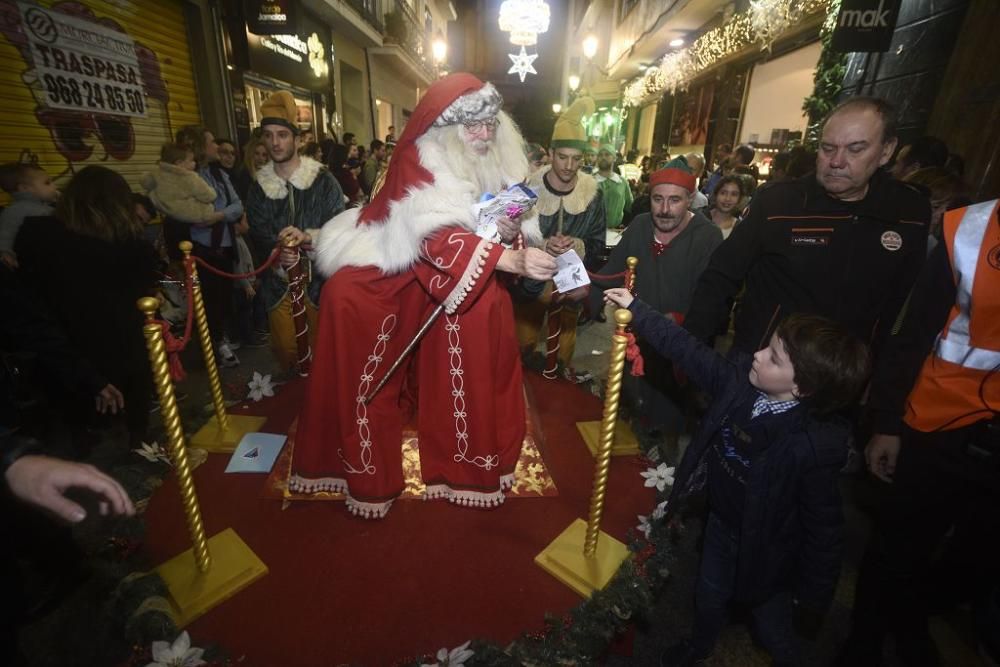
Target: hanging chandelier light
524, 20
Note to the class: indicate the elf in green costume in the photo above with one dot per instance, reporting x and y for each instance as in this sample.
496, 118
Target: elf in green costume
571, 216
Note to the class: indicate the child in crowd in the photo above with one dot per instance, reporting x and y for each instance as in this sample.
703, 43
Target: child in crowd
773, 448
33, 194
178, 191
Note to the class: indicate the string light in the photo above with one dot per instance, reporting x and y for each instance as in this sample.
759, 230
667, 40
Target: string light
763, 23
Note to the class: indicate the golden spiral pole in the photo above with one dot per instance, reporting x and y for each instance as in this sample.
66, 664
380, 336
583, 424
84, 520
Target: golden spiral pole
631, 263
175, 432
608, 422
205, 337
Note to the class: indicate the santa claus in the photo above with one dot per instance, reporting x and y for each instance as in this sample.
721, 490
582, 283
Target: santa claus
412, 249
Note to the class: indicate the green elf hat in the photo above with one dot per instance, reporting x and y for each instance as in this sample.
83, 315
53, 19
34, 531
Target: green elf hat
675, 172
569, 131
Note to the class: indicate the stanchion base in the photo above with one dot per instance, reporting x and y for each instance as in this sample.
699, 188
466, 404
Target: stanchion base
564, 559
211, 438
234, 567
625, 443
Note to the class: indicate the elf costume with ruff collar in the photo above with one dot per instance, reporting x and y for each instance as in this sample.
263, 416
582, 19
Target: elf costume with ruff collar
391, 264
578, 213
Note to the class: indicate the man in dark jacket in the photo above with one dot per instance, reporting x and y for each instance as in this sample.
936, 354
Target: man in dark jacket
774, 534
290, 191
847, 243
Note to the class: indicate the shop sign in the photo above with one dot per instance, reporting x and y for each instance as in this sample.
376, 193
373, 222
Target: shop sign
865, 25
299, 60
272, 17
82, 66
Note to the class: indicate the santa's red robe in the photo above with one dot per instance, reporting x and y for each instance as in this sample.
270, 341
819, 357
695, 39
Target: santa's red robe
470, 413
392, 264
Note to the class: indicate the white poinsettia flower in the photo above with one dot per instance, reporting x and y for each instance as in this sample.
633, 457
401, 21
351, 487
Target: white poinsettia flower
645, 525
661, 477
152, 452
260, 386
456, 657
178, 654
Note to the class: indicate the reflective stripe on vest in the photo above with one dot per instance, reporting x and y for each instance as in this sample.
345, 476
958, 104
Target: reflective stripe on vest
955, 344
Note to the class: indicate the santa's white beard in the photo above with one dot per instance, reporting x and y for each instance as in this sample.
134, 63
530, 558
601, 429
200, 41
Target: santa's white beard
479, 162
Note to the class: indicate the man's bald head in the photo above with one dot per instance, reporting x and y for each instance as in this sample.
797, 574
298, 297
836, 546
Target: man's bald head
697, 163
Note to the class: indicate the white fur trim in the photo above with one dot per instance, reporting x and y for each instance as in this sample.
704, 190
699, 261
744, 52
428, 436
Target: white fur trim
482, 104
574, 203
531, 232
395, 244
274, 186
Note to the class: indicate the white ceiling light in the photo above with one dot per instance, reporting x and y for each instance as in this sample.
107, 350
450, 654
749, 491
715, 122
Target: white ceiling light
676, 43
524, 20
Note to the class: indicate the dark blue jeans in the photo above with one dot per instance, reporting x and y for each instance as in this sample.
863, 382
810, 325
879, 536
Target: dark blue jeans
714, 592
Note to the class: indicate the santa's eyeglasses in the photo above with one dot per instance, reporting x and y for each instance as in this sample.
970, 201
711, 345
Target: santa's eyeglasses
480, 125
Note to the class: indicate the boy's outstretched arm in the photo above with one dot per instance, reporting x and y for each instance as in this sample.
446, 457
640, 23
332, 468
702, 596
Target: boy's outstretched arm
703, 365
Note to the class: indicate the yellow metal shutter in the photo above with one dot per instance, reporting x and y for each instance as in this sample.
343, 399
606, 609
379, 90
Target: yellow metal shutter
66, 141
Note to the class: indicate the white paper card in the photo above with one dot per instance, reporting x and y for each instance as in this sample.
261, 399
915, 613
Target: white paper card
571, 272
256, 452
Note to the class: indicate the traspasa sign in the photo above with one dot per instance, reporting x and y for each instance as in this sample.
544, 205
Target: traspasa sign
83, 66
865, 25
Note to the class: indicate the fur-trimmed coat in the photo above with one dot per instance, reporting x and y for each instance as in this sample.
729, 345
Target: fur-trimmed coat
308, 199
580, 214
180, 194
395, 245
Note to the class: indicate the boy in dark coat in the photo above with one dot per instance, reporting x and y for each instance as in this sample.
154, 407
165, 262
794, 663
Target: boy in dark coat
775, 527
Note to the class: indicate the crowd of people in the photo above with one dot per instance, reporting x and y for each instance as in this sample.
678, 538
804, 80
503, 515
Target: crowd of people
853, 262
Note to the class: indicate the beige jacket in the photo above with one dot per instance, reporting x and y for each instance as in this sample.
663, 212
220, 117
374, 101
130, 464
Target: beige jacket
180, 193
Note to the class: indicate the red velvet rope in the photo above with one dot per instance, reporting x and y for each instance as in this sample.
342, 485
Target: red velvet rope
633, 354
271, 259
608, 277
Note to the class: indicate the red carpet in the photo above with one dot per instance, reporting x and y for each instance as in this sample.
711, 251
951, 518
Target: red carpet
430, 575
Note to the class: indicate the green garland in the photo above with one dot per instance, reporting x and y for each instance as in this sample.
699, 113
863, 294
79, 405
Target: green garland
828, 80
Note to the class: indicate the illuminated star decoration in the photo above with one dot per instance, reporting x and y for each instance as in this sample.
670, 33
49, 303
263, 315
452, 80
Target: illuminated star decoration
522, 64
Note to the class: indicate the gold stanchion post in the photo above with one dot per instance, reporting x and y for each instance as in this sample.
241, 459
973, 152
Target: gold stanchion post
632, 263
212, 570
625, 443
583, 557
227, 430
